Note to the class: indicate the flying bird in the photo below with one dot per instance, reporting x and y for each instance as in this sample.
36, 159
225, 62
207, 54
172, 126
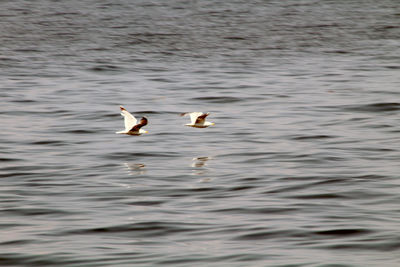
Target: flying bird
198, 119
131, 125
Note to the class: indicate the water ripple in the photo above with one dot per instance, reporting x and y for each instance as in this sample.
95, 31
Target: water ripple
218, 99
375, 107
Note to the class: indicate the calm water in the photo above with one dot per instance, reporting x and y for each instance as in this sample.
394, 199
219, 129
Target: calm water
301, 169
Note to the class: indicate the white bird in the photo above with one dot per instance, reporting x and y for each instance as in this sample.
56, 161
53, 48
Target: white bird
198, 119
131, 125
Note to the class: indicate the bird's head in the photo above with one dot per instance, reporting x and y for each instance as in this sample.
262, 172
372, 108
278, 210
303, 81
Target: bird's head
143, 131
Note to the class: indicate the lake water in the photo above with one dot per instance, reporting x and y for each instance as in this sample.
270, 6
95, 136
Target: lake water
300, 169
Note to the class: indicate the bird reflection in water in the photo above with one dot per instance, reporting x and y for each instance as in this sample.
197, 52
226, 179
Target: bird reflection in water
199, 164
135, 168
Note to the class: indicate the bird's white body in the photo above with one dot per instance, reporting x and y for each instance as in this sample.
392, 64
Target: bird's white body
198, 120
141, 131
198, 125
131, 125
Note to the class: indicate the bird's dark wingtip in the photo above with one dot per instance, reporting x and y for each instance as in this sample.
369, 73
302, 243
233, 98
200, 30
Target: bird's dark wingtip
143, 121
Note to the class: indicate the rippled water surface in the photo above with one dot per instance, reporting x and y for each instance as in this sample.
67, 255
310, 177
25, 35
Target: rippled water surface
300, 169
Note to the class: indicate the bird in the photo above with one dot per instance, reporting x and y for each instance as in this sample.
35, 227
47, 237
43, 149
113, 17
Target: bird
131, 125
198, 119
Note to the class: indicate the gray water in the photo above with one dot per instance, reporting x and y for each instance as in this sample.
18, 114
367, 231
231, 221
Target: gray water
300, 169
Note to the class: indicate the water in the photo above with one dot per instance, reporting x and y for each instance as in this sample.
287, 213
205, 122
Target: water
300, 169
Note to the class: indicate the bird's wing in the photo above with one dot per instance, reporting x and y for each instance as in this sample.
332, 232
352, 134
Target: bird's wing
194, 115
143, 122
129, 119
202, 118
